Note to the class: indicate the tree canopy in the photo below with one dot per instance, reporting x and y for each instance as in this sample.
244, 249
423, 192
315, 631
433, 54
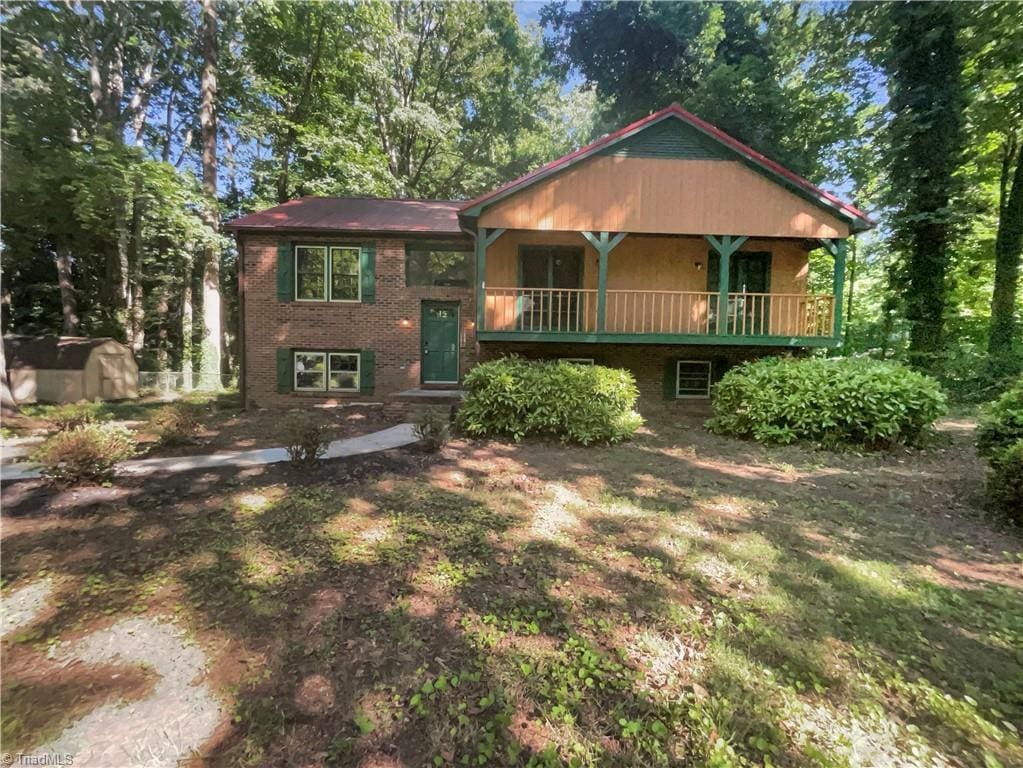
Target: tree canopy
115, 116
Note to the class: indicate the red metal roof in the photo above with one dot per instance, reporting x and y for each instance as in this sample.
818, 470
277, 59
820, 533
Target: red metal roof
357, 214
675, 110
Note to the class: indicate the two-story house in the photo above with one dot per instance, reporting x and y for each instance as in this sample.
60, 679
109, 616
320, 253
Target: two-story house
668, 248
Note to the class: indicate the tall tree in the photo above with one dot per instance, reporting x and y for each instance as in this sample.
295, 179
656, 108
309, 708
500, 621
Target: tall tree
761, 71
994, 71
924, 65
211, 320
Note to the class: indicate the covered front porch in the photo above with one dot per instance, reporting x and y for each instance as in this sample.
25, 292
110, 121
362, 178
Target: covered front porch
599, 286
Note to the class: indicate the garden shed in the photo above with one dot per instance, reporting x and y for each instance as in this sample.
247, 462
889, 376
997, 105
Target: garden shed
65, 369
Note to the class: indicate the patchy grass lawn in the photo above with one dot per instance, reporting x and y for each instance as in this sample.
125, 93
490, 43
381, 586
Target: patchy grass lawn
224, 426
683, 599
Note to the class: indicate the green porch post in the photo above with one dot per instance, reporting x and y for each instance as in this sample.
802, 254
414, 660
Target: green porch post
838, 248
483, 241
725, 247
603, 244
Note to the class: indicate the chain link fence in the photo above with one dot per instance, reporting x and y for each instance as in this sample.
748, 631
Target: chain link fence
170, 384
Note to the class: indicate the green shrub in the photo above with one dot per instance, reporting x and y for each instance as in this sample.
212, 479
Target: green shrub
432, 429
176, 424
516, 397
71, 415
857, 402
86, 453
1002, 424
1005, 482
305, 437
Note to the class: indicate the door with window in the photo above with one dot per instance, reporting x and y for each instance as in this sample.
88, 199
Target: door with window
550, 277
439, 342
749, 276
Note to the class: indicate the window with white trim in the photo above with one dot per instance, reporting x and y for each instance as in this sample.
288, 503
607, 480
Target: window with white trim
327, 273
692, 378
327, 371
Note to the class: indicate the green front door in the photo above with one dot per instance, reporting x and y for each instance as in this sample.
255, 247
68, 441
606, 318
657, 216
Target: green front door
439, 342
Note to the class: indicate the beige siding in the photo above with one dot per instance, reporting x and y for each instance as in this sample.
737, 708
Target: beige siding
658, 195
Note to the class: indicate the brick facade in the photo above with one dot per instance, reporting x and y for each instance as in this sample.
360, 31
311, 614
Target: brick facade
389, 326
269, 324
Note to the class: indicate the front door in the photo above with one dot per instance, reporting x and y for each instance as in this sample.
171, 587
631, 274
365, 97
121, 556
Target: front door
439, 342
749, 272
555, 273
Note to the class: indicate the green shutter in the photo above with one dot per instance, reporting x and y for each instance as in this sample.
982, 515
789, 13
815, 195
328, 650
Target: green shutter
367, 364
285, 271
285, 369
671, 378
368, 270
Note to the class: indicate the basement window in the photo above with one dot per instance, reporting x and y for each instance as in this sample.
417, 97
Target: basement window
327, 371
692, 378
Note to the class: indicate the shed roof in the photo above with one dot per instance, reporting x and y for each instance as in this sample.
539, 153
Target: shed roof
357, 214
51, 352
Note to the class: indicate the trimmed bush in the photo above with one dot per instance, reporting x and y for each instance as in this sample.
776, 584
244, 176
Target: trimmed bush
581, 403
1005, 483
86, 453
305, 437
1002, 425
71, 415
856, 402
432, 429
175, 424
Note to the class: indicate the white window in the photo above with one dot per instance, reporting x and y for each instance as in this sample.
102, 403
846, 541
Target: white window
345, 284
310, 371
577, 360
327, 273
344, 372
311, 272
692, 378
312, 374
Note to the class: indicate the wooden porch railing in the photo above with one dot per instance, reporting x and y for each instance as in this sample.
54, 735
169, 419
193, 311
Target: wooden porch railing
564, 310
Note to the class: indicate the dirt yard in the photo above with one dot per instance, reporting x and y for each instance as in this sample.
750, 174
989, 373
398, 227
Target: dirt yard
683, 599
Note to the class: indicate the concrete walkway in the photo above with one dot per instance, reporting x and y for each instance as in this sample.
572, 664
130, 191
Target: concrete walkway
385, 439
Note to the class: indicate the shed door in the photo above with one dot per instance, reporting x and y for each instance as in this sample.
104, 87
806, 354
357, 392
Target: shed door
112, 377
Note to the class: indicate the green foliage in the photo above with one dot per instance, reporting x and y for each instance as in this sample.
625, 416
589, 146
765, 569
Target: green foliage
1002, 425
86, 453
516, 397
1005, 482
432, 429
72, 415
833, 402
176, 424
305, 437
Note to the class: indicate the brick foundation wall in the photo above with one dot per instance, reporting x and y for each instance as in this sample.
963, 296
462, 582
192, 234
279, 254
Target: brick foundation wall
270, 323
646, 361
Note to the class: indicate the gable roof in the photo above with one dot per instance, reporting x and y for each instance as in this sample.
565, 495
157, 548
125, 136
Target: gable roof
54, 353
705, 140
356, 214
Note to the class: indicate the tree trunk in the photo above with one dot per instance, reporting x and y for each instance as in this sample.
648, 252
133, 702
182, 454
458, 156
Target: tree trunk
186, 327
211, 320
136, 308
1002, 342
68, 300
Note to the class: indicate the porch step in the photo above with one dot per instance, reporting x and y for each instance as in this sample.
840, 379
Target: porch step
439, 396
